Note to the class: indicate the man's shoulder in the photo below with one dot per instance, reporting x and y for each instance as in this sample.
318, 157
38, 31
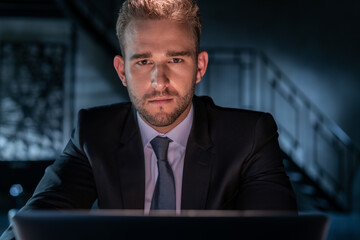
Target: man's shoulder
105, 115
233, 126
215, 111
107, 109
225, 119
103, 125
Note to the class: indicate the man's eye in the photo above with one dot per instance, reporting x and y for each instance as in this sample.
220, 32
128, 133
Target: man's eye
176, 60
143, 62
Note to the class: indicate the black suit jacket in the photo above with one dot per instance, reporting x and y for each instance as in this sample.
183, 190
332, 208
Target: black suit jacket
232, 161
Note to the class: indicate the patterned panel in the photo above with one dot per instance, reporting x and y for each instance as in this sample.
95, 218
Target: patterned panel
31, 100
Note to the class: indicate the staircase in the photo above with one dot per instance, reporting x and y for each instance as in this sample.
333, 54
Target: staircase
321, 160
310, 197
93, 16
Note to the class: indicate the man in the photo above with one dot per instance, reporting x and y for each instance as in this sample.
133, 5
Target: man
214, 158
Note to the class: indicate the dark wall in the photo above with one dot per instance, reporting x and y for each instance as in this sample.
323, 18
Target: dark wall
314, 42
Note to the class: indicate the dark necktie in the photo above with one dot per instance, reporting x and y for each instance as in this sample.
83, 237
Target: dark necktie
164, 193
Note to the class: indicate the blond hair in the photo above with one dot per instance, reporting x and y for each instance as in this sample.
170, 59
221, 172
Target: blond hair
183, 11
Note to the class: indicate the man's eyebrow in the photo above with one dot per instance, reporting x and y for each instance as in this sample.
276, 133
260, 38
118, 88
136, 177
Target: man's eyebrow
141, 55
178, 53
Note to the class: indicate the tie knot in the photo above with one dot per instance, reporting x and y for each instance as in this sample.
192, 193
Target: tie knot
160, 146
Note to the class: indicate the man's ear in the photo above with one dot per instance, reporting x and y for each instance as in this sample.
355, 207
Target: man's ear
203, 59
120, 68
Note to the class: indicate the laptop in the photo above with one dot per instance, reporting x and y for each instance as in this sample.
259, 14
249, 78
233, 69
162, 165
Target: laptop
132, 224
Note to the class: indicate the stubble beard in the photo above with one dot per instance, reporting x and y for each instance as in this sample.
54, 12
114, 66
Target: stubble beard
161, 118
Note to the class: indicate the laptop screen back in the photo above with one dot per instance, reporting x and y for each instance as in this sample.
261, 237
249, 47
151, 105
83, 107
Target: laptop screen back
117, 224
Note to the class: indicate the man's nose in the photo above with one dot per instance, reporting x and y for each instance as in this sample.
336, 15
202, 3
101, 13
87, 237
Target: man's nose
159, 77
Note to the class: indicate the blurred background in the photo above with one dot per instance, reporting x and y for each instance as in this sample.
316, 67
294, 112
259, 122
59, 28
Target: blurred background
298, 60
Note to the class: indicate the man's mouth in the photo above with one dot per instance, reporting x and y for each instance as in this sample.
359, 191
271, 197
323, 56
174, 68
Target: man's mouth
160, 100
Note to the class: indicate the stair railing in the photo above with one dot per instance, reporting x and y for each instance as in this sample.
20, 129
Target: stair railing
247, 78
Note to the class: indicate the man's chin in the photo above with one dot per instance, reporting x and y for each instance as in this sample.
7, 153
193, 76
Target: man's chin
160, 119
162, 116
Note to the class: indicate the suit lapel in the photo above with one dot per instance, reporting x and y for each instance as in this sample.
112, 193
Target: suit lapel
197, 164
132, 167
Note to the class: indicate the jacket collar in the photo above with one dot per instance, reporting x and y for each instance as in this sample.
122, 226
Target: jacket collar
131, 164
198, 157
196, 173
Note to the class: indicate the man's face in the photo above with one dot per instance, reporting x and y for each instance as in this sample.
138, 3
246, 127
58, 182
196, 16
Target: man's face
160, 68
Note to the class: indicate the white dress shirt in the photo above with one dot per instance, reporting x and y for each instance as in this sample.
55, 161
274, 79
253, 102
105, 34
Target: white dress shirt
176, 154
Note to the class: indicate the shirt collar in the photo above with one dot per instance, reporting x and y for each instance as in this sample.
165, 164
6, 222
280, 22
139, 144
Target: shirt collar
178, 134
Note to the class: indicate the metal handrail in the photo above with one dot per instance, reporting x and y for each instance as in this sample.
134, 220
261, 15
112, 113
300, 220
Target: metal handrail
314, 142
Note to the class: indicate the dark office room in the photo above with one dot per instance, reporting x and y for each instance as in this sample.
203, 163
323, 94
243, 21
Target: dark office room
296, 60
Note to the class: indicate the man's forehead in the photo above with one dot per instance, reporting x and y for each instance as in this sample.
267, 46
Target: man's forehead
131, 28
131, 31
141, 35
140, 25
